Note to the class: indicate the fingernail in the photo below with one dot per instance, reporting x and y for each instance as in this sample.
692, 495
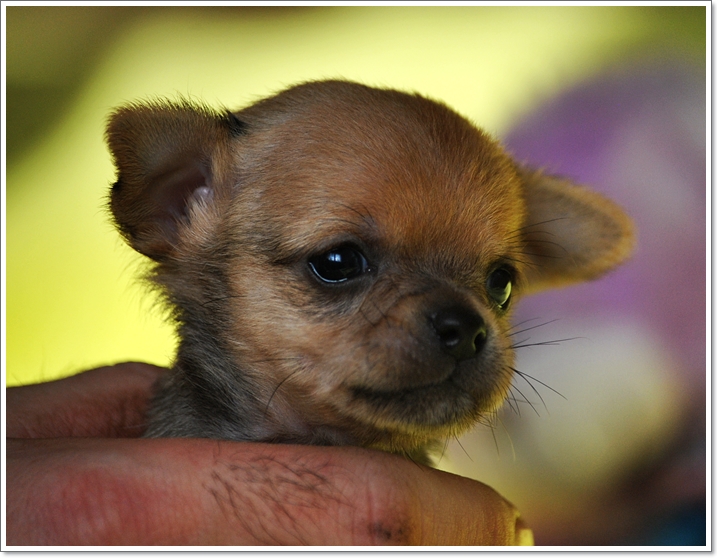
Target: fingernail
523, 535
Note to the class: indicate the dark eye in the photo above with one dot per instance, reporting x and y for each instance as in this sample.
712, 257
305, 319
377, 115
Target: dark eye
498, 286
339, 264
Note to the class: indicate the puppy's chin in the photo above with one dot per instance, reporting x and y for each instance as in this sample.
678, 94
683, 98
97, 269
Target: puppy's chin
437, 410
407, 421
426, 407
404, 418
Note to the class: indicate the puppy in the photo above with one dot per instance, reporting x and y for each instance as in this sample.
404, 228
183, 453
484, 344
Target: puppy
341, 262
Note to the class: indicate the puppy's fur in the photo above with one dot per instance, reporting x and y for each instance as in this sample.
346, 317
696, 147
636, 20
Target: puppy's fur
341, 262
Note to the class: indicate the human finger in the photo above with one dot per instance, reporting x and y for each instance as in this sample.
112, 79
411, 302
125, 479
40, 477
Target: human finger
108, 401
206, 492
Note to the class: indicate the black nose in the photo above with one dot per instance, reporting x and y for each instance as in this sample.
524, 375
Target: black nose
461, 331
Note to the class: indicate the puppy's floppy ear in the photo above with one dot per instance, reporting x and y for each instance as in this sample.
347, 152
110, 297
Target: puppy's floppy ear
572, 234
166, 156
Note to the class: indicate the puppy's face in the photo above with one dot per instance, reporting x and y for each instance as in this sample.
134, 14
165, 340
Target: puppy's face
354, 252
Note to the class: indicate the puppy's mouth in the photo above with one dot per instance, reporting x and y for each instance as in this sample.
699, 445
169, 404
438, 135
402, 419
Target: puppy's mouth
437, 405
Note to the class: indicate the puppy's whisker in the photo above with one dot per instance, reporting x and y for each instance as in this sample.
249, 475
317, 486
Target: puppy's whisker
352, 224
381, 313
384, 315
443, 449
408, 455
530, 328
523, 345
511, 442
364, 215
521, 375
488, 420
509, 398
275, 359
363, 314
522, 322
395, 288
458, 441
526, 400
537, 255
538, 224
525, 376
518, 343
496, 441
517, 260
549, 243
280, 384
539, 264
521, 235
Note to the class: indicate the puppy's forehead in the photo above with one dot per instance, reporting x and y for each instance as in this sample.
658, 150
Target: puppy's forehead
400, 169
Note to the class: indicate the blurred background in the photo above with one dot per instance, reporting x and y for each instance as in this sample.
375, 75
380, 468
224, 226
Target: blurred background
604, 443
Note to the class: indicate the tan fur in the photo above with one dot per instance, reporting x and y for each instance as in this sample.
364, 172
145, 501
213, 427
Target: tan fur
233, 207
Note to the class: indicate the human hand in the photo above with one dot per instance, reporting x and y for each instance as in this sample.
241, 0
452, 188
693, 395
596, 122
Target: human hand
77, 474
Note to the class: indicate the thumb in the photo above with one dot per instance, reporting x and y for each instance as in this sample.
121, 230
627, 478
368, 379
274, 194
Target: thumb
108, 401
461, 511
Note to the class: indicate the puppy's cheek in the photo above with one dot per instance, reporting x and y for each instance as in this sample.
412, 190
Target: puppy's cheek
490, 378
294, 353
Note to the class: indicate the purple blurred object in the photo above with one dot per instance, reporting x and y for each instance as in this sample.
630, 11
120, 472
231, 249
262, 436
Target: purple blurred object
638, 136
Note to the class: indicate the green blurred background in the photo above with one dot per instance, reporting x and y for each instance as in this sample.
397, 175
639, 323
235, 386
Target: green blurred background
73, 299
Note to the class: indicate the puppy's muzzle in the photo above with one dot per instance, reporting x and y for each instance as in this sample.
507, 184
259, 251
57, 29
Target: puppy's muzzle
461, 331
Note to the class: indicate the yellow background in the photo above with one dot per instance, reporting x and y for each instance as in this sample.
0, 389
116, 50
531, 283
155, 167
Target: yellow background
73, 297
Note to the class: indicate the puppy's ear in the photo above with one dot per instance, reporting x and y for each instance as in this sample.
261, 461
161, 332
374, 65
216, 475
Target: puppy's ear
572, 234
166, 155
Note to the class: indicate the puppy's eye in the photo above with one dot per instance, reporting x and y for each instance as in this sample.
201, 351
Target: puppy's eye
339, 264
498, 286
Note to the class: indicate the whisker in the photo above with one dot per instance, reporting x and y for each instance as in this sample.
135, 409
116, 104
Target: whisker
366, 216
520, 374
525, 375
518, 343
508, 435
363, 314
443, 451
520, 230
509, 398
545, 343
530, 328
522, 322
277, 359
523, 262
266, 409
496, 442
488, 420
547, 256
408, 455
462, 447
526, 400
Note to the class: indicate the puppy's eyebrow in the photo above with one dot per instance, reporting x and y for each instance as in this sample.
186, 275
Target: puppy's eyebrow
318, 236
363, 213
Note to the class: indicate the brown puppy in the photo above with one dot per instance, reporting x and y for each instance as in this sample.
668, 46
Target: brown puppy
341, 262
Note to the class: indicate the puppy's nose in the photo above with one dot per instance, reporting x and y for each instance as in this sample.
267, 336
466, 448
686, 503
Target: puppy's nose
461, 331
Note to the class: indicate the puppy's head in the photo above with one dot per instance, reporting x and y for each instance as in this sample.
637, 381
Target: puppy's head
349, 255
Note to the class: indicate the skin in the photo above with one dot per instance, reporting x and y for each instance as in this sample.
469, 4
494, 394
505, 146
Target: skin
78, 474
